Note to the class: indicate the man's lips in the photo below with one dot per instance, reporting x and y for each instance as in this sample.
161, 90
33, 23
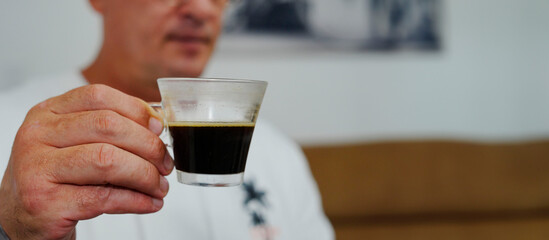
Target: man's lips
188, 39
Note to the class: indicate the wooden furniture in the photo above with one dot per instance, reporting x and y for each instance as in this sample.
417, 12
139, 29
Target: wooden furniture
435, 189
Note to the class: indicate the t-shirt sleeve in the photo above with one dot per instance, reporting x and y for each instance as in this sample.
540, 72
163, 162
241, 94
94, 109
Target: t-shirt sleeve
305, 213
309, 220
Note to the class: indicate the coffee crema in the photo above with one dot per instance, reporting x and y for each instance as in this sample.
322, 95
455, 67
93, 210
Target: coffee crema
211, 147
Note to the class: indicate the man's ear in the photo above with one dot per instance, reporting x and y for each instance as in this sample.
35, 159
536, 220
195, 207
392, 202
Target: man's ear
97, 5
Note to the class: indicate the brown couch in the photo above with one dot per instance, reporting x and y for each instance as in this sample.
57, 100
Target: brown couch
435, 189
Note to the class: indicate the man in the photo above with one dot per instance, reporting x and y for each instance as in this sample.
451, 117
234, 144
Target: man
95, 149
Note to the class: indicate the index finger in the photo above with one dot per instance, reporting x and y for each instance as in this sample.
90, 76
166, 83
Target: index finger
102, 97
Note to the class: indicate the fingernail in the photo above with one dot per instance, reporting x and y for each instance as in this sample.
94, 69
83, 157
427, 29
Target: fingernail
168, 162
157, 203
155, 126
164, 185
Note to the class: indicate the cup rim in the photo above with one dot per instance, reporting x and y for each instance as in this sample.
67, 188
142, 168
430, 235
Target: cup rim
233, 80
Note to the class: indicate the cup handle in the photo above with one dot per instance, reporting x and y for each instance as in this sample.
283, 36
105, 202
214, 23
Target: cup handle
157, 106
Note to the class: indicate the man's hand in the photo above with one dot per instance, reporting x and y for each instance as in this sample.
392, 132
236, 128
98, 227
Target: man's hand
91, 151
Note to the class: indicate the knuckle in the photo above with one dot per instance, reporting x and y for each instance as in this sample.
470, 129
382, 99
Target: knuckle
27, 128
105, 157
96, 93
156, 148
39, 107
29, 132
105, 122
34, 120
92, 199
150, 176
103, 194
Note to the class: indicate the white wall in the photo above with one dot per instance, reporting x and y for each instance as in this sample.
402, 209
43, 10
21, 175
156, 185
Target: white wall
490, 81
40, 37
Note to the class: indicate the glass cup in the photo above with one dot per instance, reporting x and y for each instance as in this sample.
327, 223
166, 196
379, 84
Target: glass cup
210, 123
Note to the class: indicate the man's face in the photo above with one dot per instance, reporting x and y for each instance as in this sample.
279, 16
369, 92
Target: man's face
161, 38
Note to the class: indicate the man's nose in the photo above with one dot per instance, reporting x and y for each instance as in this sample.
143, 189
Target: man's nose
200, 10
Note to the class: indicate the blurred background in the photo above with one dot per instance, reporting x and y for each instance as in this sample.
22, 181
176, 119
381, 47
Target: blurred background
422, 119
488, 80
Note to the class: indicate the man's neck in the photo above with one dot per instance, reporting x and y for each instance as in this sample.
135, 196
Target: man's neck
111, 71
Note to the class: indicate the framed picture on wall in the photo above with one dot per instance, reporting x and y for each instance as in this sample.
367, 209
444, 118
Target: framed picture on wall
362, 24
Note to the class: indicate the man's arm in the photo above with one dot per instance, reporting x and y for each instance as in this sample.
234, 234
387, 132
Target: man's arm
90, 151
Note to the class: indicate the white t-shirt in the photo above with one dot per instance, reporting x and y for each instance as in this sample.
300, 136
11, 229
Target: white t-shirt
281, 198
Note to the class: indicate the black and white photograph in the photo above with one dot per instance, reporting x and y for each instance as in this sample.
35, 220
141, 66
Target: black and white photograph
362, 24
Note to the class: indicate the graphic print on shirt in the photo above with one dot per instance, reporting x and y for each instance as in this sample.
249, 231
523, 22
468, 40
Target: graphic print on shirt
256, 204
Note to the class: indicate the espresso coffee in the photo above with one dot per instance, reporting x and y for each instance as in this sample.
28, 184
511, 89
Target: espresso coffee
211, 148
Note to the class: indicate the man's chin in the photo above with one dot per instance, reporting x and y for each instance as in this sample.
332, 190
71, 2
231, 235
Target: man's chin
184, 63
187, 72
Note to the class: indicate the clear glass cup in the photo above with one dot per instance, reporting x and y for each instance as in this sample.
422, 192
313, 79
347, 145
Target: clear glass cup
210, 123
